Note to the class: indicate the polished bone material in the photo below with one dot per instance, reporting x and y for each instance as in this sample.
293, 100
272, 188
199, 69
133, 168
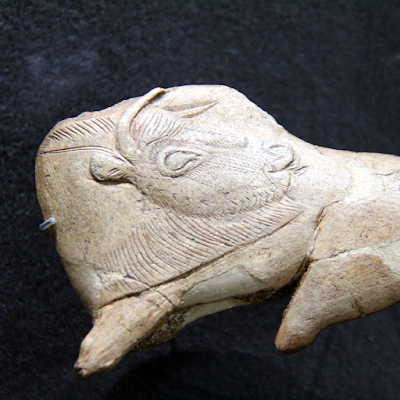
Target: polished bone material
191, 200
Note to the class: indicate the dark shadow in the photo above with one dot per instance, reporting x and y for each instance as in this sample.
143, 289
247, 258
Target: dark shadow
208, 375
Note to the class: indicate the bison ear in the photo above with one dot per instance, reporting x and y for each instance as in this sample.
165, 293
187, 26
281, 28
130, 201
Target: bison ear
111, 167
177, 161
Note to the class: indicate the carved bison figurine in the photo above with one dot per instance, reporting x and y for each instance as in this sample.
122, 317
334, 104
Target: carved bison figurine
191, 200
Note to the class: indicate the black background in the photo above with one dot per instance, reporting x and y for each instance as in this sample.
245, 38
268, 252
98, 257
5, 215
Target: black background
329, 71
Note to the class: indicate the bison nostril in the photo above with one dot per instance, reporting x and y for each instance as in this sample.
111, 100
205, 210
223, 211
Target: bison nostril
279, 157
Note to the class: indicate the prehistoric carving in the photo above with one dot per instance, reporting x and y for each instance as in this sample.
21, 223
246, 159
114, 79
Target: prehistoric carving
191, 200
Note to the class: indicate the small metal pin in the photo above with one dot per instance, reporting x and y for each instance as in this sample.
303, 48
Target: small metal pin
46, 224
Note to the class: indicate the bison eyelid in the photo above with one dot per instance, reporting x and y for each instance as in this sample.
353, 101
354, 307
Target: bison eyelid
190, 160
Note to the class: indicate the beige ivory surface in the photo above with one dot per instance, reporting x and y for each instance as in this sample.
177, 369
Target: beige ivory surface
191, 200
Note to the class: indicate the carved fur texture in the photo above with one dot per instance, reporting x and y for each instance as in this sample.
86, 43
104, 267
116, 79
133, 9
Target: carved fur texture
190, 200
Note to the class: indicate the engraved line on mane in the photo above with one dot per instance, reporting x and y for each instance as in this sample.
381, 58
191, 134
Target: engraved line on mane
166, 245
154, 124
89, 127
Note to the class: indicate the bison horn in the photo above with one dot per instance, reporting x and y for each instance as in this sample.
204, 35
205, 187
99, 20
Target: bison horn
125, 142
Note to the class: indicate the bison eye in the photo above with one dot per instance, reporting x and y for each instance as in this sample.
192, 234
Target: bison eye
177, 162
